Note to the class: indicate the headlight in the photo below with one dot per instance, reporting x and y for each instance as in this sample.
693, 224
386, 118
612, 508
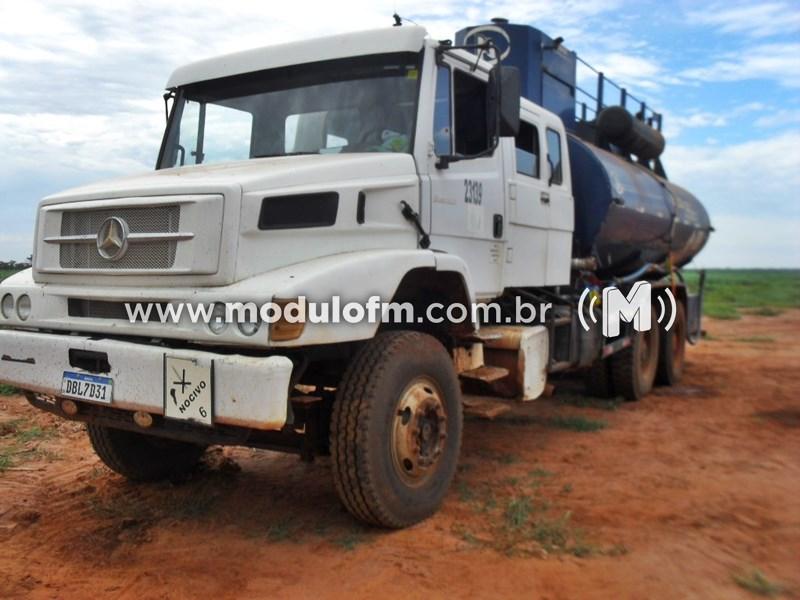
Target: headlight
24, 307
217, 323
7, 306
249, 329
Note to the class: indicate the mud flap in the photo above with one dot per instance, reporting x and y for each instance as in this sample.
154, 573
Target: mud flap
694, 311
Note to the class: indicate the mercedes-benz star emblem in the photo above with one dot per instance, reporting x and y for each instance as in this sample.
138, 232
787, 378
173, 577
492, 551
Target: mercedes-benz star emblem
112, 239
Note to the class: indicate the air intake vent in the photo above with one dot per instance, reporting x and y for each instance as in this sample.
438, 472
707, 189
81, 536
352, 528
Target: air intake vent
300, 211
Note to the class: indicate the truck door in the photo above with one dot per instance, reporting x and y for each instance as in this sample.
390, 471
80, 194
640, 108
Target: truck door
467, 198
529, 208
562, 208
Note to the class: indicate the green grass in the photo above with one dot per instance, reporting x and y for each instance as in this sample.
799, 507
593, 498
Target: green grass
15, 437
756, 582
282, 530
5, 273
756, 339
539, 472
518, 511
731, 293
349, 541
5, 459
5, 389
576, 423
516, 521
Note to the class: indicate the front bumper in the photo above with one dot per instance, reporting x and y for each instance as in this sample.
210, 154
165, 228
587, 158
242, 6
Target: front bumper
247, 391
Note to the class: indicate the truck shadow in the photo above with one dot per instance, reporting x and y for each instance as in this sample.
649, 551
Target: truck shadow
274, 498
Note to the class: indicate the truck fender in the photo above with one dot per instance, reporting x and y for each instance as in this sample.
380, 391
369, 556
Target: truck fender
356, 277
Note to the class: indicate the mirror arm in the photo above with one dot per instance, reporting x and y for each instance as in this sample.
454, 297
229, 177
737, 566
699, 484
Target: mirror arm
170, 95
444, 161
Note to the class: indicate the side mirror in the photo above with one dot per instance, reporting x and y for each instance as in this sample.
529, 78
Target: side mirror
504, 101
502, 112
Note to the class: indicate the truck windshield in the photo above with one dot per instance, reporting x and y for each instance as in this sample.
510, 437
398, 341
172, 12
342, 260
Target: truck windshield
363, 104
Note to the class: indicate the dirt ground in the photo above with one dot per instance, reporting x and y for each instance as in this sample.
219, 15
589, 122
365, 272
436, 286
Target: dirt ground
677, 496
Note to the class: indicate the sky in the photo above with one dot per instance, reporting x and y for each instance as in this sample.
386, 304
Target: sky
81, 84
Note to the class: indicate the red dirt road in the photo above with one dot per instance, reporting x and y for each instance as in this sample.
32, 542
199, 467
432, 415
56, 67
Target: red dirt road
675, 496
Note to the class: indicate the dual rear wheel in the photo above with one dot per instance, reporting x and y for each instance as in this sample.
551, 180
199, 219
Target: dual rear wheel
654, 357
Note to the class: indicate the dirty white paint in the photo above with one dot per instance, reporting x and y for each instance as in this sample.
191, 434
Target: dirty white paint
249, 391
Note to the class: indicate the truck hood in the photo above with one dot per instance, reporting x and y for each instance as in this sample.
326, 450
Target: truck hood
219, 214
244, 176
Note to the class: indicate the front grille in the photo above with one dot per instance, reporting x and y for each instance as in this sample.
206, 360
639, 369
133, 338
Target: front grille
103, 309
158, 254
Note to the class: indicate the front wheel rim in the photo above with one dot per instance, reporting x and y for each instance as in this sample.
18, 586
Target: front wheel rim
419, 432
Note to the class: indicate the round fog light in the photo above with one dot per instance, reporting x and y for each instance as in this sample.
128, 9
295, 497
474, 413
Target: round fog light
249, 329
7, 306
24, 307
143, 419
69, 407
217, 323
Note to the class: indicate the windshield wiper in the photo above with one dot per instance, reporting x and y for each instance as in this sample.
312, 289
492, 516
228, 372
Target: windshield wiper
283, 154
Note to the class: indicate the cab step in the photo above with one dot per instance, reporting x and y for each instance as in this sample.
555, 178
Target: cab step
486, 374
484, 408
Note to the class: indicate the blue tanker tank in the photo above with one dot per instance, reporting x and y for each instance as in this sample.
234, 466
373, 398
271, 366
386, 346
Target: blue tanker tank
627, 214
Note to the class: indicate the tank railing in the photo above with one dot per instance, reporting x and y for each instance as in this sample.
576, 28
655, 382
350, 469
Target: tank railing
645, 113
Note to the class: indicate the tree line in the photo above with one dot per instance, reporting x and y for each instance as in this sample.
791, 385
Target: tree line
12, 265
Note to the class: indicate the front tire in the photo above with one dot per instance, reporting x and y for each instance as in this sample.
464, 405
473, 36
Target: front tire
396, 429
141, 457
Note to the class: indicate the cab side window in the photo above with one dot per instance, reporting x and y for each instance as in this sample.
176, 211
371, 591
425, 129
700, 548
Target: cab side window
469, 101
554, 156
442, 126
527, 145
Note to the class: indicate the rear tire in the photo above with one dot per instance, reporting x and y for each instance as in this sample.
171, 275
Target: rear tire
396, 429
598, 379
633, 370
141, 457
672, 355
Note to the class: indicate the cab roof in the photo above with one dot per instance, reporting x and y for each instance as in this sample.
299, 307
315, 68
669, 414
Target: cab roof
374, 41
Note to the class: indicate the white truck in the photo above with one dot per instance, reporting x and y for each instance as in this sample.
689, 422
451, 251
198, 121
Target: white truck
381, 163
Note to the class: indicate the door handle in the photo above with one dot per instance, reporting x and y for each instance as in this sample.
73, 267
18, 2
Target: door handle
498, 226
545, 198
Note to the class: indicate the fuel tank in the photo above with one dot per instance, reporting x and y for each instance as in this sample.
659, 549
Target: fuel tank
627, 216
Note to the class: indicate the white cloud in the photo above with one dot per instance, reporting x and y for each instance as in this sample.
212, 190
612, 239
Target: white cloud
81, 82
103, 144
779, 118
751, 178
752, 192
675, 124
776, 61
752, 242
759, 19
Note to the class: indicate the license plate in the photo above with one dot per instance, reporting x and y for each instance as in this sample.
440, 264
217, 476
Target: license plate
91, 388
188, 389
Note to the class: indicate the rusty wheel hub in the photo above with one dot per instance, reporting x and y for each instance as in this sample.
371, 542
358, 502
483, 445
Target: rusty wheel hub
419, 432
